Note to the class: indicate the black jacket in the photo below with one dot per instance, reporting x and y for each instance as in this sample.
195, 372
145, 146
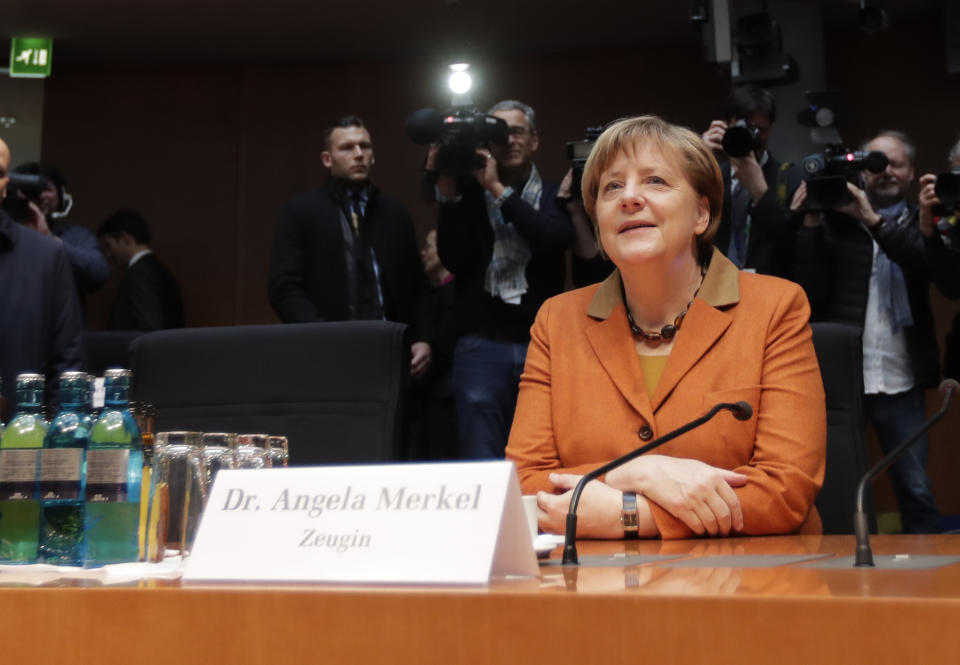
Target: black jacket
770, 245
465, 244
308, 265
40, 323
148, 298
833, 264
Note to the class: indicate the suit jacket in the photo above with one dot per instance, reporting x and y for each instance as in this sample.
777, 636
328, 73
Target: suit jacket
746, 337
148, 298
308, 265
770, 245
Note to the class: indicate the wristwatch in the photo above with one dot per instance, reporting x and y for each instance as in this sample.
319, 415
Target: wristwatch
629, 517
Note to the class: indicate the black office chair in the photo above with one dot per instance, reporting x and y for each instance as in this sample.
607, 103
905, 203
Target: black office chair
840, 352
108, 348
335, 389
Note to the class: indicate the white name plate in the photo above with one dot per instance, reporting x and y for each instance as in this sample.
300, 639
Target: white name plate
451, 523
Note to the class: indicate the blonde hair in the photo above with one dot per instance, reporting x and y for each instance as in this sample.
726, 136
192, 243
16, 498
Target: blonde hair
697, 162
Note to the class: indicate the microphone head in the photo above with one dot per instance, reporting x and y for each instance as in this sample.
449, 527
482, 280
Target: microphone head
742, 411
424, 126
876, 161
950, 386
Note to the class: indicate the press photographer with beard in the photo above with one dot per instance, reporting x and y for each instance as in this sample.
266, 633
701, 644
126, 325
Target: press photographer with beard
864, 264
503, 234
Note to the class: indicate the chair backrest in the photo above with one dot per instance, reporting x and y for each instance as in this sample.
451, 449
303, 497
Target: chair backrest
840, 352
334, 389
107, 348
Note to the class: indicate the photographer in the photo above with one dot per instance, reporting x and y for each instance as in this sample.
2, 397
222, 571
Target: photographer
756, 231
864, 264
47, 210
940, 231
942, 245
501, 232
40, 324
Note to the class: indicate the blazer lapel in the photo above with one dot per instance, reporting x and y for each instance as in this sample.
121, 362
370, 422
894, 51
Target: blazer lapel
706, 325
612, 342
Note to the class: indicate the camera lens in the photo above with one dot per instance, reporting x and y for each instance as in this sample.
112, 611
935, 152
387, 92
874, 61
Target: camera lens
947, 189
738, 141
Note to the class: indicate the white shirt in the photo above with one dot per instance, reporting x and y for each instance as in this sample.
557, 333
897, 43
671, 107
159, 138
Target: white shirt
139, 255
886, 360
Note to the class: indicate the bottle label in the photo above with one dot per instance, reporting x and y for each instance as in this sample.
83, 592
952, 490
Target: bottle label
60, 471
18, 471
107, 474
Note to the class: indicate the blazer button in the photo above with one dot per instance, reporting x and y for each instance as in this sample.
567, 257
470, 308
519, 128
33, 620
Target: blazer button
645, 432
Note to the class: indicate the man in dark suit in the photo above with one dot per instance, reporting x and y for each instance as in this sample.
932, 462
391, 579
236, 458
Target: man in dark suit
346, 251
149, 296
756, 230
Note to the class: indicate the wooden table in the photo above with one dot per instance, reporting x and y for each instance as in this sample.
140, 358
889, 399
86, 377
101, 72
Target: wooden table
650, 613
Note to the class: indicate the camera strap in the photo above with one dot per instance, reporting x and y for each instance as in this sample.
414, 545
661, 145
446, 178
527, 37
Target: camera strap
782, 184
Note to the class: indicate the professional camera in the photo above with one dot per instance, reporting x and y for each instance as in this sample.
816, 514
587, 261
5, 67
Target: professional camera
21, 190
461, 131
577, 153
829, 172
947, 190
741, 139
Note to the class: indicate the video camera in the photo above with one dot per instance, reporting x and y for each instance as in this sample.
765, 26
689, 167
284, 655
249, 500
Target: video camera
21, 190
577, 153
829, 172
947, 190
461, 131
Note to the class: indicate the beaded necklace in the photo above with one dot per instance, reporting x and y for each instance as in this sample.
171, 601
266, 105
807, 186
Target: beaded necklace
667, 332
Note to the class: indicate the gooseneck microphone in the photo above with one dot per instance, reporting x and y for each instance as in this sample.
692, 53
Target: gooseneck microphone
861, 527
740, 410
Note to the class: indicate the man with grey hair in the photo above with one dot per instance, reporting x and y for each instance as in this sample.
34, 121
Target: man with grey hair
502, 233
864, 264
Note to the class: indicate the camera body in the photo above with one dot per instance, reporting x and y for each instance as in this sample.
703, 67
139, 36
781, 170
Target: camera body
947, 190
21, 190
577, 154
463, 132
460, 131
829, 172
741, 139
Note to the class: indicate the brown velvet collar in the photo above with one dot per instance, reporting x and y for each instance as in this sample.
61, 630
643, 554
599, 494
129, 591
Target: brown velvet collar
720, 288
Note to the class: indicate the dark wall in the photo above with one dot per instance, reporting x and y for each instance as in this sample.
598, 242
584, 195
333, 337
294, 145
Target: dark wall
209, 155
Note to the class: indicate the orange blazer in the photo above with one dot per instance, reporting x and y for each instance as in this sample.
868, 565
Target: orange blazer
746, 337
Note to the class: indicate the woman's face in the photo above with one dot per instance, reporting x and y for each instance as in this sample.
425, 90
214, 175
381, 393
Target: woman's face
646, 210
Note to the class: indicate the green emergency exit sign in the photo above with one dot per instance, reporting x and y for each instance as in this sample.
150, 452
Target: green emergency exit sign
30, 57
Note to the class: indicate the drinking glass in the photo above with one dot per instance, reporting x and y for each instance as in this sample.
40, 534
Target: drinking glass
279, 451
219, 452
252, 451
176, 494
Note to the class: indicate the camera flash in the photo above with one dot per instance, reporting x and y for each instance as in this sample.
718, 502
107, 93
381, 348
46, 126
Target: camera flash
459, 80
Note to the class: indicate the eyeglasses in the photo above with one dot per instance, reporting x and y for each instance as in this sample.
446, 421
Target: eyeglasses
518, 130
